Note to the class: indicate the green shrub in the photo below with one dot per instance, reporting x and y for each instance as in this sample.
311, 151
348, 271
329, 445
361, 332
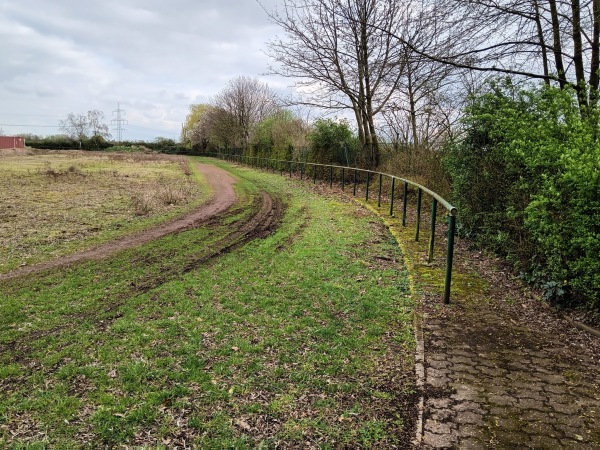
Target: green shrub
333, 142
526, 181
280, 136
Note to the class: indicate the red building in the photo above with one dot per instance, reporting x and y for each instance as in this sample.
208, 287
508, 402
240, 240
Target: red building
12, 142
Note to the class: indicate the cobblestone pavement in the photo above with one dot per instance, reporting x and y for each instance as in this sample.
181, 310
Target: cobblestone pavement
497, 368
493, 382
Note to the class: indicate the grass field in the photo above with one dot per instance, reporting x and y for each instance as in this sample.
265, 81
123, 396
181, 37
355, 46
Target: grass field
300, 339
54, 203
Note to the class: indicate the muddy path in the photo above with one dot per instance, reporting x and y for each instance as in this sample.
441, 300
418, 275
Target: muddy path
223, 198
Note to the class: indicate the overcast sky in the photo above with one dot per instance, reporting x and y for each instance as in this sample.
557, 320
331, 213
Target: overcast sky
153, 57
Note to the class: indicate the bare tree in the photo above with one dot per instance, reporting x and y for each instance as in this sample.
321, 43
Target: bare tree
550, 40
418, 111
345, 55
99, 130
243, 103
79, 126
75, 126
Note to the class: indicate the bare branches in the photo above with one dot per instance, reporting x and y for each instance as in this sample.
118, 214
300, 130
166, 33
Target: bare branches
247, 101
517, 37
75, 126
232, 116
79, 126
96, 125
339, 58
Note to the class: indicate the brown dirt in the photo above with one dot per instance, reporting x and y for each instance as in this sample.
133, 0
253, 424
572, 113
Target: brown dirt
16, 151
223, 198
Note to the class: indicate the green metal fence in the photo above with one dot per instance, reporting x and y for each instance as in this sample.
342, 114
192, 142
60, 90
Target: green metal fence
326, 172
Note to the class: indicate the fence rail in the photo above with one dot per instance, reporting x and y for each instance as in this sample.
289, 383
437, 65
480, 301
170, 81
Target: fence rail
327, 174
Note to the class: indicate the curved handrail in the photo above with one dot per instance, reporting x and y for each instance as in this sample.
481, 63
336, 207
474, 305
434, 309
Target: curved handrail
449, 207
436, 198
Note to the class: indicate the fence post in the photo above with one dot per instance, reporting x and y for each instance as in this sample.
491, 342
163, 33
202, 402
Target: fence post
449, 255
367, 191
379, 196
302, 171
314, 173
354, 193
419, 195
291, 169
330, 177
404, 204
432, 236
343, 178
392, 197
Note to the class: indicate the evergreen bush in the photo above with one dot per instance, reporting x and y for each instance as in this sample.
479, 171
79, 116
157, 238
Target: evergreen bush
526, 181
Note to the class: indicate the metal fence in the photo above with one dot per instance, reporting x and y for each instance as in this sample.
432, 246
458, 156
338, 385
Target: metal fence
329, 173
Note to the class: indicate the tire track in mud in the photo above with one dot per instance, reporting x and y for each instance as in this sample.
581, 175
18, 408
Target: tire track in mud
259, 225
224, 197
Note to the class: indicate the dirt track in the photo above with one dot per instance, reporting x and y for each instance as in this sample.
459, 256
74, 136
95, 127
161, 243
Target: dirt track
223, 198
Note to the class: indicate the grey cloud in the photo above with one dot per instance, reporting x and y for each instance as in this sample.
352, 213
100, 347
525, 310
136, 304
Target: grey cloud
90, 55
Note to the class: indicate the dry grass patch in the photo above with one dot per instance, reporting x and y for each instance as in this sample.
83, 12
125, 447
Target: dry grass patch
52, 204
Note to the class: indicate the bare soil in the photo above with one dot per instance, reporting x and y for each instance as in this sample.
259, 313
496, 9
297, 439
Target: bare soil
16, 151
223, 198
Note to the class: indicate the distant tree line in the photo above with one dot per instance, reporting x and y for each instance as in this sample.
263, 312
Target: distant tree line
65, 142
89, 132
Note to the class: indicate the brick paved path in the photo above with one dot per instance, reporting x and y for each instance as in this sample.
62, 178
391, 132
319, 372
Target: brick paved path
492, 382
496, 368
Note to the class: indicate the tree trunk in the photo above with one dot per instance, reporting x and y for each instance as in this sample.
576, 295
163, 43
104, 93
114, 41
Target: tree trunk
413, 112
540, 32
578, 57
558, 61
595, 61
359, 123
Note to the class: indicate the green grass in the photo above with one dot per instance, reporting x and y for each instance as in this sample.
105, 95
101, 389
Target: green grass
299, 338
